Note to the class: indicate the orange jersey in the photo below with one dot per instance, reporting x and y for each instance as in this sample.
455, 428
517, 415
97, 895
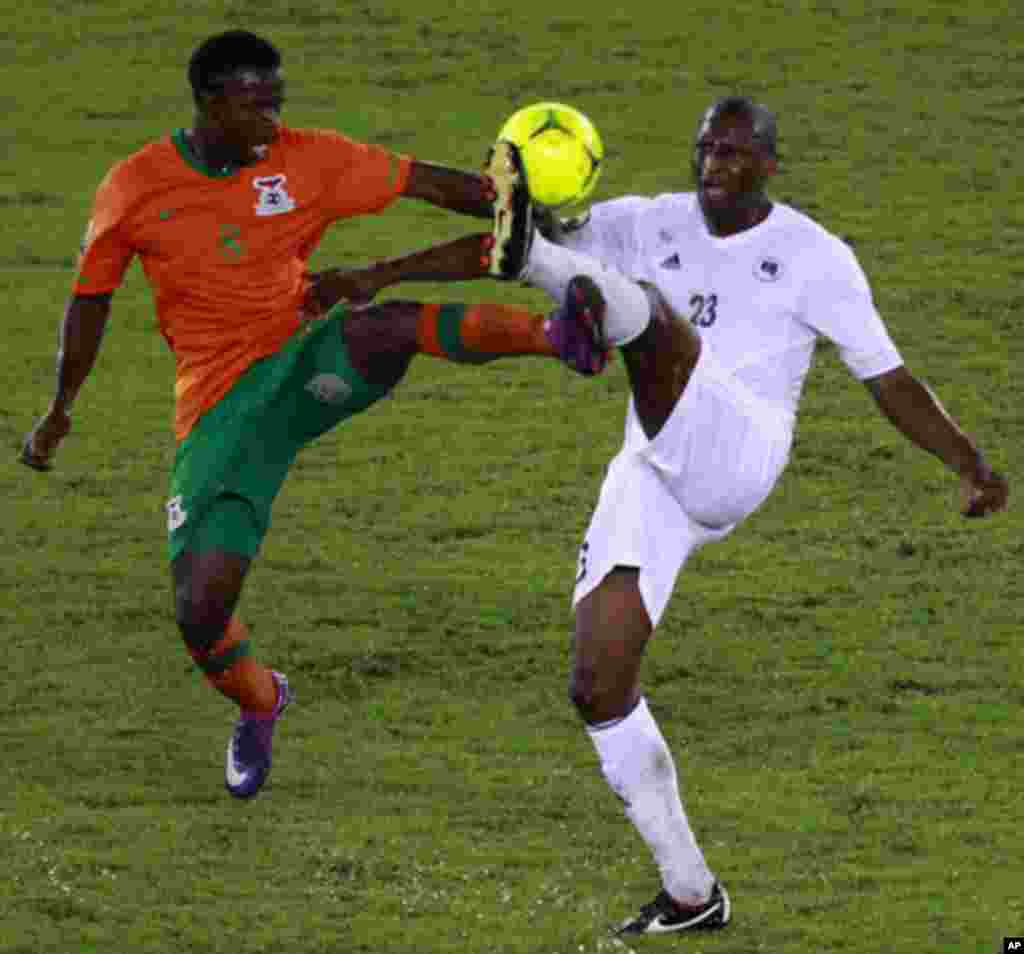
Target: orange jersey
225, 251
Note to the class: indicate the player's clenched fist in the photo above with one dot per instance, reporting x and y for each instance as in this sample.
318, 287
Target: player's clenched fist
983, 492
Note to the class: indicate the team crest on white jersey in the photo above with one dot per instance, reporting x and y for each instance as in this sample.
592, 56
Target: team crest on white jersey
273, 197
768, 270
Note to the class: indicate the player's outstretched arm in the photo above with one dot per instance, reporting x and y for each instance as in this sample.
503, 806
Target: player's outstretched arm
81, 333
449, 188
462, 259
920, 417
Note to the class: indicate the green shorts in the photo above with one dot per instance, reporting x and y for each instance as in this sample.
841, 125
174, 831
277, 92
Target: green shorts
230, 467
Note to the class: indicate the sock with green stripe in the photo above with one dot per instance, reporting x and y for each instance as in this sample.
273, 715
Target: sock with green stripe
476, 334
230, 668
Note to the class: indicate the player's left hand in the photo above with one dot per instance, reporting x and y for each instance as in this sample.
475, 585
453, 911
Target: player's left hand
327, 288
983, 492
41, 444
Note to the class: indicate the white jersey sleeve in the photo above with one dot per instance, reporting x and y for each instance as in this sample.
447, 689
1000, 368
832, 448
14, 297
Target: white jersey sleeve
838, 305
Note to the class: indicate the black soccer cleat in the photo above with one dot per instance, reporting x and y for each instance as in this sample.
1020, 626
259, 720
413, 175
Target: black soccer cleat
664, 916
512, 230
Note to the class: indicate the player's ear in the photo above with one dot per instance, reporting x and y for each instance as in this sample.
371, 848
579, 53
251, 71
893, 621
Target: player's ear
769, 166
207, 101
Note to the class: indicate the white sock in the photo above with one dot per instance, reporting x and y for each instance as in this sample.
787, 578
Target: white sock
551, 267
639, 768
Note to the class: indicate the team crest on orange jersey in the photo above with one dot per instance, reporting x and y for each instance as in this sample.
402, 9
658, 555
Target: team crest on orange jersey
273, 197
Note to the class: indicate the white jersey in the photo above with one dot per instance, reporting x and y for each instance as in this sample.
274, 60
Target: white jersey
760, 298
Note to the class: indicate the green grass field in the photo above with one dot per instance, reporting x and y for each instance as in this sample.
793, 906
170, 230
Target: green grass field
841, 680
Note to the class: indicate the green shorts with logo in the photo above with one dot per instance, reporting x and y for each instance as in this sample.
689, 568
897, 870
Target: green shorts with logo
230, 467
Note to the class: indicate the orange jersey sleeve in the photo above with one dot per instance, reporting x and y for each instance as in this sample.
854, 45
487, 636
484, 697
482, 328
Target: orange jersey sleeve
360, 178
106, 250
225, 251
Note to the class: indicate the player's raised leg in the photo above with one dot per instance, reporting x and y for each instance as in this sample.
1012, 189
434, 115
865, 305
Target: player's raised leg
660, 349
659, 361
519, 252
381, 340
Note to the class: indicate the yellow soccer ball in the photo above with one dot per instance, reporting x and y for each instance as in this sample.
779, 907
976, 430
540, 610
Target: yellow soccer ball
561, 151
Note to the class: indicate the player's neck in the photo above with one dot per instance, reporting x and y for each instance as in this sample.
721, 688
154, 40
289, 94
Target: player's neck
213, 149
739, 218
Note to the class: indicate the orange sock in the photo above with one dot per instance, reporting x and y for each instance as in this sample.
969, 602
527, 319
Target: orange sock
232, 671
474, 334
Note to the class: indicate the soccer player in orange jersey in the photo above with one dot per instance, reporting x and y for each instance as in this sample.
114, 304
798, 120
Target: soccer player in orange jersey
224, 217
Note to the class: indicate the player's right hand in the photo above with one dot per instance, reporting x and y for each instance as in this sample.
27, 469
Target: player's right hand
41, 444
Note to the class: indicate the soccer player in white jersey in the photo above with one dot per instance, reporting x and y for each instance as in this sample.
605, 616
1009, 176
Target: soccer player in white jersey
715, 298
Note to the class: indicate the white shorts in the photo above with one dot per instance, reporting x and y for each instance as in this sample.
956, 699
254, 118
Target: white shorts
713, 463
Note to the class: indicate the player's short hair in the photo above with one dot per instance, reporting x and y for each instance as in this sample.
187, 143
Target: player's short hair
225, 53
762, 119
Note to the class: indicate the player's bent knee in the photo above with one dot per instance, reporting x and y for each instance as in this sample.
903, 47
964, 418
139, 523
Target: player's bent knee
388, 327
201, 622
201, 637
602, 700
206, 588
381, 342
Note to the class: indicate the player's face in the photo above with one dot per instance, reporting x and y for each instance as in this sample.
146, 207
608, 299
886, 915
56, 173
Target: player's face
729, 165
247, 106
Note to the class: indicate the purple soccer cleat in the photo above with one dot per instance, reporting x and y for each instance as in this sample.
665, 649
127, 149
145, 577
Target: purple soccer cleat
249, 749
576, 328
